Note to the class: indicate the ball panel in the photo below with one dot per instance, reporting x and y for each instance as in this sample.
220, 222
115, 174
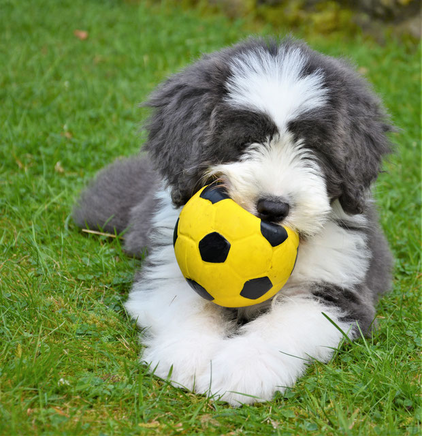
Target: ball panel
273, 233
220, 279
284, 259
214, 193
256, 288
196, 217
250, 257
188, 257
214, 248
200, 290
235, 222
286, 253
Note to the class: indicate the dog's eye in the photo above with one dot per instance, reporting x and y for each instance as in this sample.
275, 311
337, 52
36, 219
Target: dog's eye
239, 128
247, 144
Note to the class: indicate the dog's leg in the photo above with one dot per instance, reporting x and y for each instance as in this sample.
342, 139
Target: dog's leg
182, 331
121, 198
272, 351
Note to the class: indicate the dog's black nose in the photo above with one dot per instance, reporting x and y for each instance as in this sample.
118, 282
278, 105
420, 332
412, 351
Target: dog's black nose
273, 209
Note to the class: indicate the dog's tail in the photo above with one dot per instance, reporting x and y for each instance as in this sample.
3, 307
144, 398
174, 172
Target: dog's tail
107, 202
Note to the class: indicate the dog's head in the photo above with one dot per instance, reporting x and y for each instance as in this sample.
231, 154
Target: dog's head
286, 129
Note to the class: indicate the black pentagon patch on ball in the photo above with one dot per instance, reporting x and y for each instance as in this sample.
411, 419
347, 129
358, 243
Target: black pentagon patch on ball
175, 232
256, 288
214, 248
200, 290
273, 233
214, 193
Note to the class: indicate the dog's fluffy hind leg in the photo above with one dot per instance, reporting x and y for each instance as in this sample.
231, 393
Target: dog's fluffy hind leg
121, 198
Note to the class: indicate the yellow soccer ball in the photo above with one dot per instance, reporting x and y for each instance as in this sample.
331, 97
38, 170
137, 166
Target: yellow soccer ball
228, 255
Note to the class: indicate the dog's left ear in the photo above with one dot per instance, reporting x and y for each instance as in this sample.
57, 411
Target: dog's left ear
366, 145
363, 130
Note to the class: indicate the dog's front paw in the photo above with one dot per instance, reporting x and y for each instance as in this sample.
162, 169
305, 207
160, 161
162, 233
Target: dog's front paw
247, 370
180, 359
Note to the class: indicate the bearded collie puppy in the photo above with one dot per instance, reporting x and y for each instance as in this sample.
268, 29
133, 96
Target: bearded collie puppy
296, 138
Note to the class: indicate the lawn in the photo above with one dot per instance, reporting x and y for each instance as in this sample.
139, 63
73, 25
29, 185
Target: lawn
72, 74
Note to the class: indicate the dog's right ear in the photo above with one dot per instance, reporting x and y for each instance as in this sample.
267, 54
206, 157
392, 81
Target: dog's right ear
179, 125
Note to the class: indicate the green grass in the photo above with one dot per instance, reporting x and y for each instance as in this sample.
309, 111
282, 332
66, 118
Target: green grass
68, 351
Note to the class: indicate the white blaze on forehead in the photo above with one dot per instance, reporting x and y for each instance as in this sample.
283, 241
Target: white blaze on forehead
274, 85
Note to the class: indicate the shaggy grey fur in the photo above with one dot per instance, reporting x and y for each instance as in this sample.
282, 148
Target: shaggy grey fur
121, 199
193, 127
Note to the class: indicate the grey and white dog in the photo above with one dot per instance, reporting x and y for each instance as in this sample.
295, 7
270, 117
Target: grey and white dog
297, 138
